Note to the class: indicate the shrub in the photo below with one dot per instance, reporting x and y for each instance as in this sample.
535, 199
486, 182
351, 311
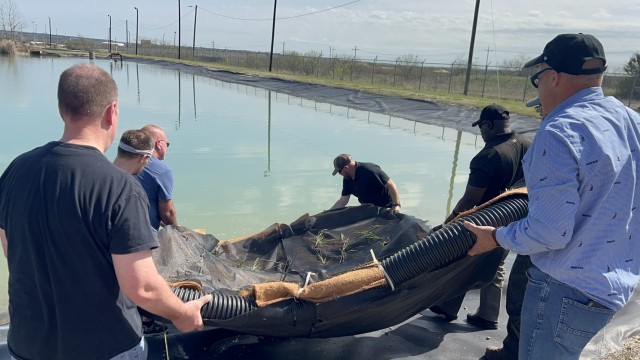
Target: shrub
7, 47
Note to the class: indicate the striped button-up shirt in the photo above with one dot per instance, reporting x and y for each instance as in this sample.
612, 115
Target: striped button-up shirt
584, 190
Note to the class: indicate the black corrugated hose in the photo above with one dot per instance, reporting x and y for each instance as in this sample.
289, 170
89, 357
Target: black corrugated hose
439, 248
222, 307
451, 241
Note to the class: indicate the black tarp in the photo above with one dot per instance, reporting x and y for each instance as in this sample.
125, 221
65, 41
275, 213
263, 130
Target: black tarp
322, 245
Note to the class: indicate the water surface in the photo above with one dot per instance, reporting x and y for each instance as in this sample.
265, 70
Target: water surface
243, 157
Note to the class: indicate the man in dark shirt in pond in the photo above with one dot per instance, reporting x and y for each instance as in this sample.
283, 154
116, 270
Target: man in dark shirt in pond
367, 182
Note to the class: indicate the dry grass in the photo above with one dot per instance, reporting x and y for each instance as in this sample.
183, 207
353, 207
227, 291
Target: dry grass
7, 47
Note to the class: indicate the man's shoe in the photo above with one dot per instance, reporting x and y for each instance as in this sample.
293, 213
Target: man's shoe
497, 353
482, 323
438, 310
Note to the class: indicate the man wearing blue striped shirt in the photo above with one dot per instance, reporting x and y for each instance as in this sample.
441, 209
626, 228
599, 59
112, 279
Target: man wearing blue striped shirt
584, 189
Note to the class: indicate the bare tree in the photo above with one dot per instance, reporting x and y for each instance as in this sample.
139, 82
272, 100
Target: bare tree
10, 18
515, 64
408, 65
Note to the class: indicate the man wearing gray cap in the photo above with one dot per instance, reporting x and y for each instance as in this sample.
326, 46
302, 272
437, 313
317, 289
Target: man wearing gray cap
581, 231
367, 182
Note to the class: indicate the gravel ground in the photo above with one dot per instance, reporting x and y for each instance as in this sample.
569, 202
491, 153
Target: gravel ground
630, 350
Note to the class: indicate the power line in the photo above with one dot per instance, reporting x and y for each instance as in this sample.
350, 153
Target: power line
166, 26
279, 18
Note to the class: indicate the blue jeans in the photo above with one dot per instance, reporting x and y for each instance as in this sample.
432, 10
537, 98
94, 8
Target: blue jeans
556, 322
138, 352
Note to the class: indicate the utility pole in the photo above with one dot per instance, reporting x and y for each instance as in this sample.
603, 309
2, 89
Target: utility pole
109, 33
195, 19
355, 52
136, 29
179, 30
273, 34
49, 32
473, 40
283, 48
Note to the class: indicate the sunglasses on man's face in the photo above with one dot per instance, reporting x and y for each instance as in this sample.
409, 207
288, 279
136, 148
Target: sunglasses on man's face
535, 78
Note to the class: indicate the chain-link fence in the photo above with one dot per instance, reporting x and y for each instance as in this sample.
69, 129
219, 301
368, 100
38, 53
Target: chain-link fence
493, 82
490, 81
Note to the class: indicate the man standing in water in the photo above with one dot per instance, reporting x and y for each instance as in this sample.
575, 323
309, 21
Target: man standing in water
76, 234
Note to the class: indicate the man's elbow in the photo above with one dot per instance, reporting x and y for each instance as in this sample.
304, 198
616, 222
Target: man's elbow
167, 213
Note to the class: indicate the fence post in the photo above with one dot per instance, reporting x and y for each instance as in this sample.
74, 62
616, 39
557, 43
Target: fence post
633, 86
333, 68
420, 81
526, 84
394, 73
484, 81
353, 62
450, 76
374, 68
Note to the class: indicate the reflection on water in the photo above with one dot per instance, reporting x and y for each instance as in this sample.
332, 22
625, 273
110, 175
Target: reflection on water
243, 157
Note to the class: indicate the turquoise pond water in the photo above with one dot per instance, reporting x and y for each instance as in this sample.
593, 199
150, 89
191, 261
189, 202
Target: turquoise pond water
243, 157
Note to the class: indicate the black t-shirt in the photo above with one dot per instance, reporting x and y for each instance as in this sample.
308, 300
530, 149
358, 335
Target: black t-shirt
65, 209
499, 164
368, 185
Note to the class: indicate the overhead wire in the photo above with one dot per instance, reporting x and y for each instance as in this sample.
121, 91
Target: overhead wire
280, 18
166, 26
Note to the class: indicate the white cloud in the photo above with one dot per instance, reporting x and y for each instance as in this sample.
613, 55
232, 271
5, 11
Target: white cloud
439, 31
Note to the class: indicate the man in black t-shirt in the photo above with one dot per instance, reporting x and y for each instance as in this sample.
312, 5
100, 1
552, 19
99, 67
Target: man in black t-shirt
496, 168
367, 182
75, 231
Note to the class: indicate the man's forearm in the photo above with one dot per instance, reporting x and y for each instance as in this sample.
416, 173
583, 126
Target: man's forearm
167, 212
139, 281
393, 192
342, 202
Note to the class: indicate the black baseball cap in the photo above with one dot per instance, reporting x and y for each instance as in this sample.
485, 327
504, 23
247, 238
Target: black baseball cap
567, 53
492, 112
340, 162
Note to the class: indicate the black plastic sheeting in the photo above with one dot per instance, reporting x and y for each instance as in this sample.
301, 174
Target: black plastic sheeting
324, 245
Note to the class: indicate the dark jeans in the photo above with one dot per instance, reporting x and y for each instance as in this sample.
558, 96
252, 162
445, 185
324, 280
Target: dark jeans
490, 297
516, 288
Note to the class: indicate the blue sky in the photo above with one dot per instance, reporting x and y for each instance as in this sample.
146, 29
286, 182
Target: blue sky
435, 31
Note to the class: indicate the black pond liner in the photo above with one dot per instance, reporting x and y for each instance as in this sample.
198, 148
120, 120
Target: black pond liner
441, 247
